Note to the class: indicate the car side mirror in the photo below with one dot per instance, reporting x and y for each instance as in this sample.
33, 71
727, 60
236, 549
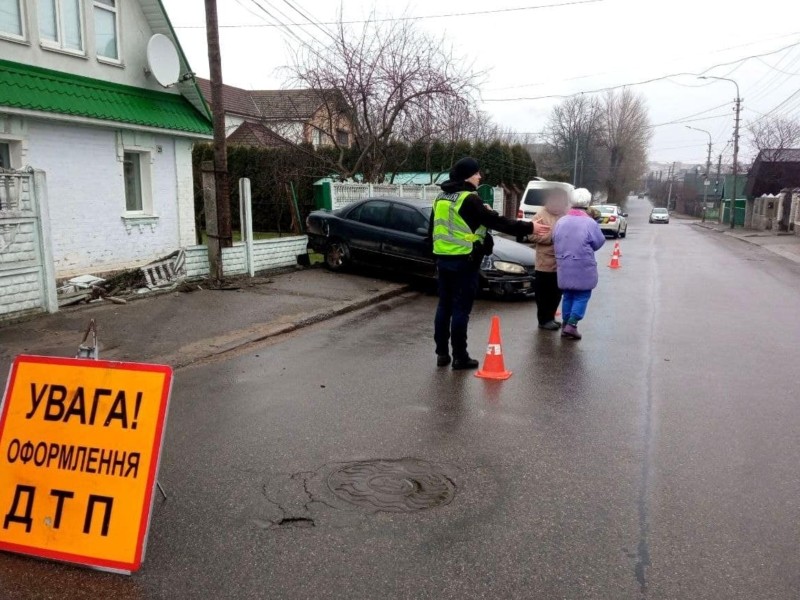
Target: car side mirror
625, 215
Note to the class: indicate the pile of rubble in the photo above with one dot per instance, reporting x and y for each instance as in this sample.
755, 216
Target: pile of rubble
167, 273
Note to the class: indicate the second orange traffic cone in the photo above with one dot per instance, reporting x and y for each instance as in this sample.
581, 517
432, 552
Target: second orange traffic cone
493, 365
614, 264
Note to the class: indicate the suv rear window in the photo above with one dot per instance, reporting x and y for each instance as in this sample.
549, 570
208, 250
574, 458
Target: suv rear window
535, 197
659, 211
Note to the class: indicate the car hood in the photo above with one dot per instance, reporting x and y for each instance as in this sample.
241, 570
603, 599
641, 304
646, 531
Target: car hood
508, 250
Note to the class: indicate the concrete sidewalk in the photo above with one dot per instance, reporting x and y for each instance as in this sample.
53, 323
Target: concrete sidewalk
786, 245
180, 328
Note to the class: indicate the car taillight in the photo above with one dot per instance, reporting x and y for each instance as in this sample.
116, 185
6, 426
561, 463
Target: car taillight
612, 219
520, 214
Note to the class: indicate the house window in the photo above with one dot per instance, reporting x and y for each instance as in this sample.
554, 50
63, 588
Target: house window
342, 137
5, 155
137, 193
106, 29
61, 24
11, 20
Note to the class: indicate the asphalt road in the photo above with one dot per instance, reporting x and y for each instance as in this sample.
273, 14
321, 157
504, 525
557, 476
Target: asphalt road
656, 458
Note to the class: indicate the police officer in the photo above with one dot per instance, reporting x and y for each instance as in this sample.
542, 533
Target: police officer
459, 228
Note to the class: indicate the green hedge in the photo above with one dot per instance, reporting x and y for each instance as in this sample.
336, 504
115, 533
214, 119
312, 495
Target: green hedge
271, 170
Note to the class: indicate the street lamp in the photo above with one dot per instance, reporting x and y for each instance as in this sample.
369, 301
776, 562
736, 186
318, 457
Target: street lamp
738, 103
706, 183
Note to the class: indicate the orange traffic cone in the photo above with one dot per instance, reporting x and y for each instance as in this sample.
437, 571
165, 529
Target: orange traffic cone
614, 264
493, 366
618, 249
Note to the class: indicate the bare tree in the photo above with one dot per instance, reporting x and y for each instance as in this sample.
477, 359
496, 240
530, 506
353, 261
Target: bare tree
772, 136
626, 133
387, 74
574, 134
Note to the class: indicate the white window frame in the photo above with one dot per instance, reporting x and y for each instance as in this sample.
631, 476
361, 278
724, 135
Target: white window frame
58, 44
16, 149
23, 18
116, 10
145, 183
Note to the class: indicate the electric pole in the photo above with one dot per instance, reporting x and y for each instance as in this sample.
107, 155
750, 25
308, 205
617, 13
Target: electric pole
738, 108
735, 156
223, 229
707, 181
670, 174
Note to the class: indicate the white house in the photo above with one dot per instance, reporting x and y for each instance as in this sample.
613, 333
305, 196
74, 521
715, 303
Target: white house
110, 146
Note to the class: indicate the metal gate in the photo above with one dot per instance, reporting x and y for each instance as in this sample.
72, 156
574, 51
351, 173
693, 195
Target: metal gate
27, 285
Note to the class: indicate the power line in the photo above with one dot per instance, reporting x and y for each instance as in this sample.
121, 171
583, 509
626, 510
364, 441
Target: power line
396, 19
642, 82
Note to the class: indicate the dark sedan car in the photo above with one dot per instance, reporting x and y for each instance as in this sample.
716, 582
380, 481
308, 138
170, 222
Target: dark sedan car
391, 233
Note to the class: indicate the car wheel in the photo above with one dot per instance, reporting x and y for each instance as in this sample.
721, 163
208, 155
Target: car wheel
337, 255
614, 235
624, 234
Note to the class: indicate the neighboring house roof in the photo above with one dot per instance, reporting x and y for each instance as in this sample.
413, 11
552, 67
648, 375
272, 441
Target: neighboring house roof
409, 178
45, 90
273, 105
774, 170
255, 134
236, 100
291, 104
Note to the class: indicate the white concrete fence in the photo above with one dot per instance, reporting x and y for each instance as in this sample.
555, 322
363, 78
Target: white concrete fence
343, 194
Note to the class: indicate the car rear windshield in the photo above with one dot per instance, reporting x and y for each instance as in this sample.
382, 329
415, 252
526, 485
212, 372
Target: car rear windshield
660, 211
607, 210
535, 197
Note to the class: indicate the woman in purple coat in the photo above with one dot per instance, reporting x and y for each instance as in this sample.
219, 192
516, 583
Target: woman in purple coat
576, 238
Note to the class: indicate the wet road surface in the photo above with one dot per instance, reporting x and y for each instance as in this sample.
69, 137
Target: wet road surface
656, 458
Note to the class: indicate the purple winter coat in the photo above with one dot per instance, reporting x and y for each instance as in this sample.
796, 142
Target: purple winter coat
576, 238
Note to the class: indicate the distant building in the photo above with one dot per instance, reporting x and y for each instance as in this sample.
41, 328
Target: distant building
317, 117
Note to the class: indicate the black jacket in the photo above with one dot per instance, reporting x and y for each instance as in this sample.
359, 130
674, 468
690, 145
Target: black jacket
475, 213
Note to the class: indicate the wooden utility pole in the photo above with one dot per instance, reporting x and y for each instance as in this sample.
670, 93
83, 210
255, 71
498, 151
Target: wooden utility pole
223, 204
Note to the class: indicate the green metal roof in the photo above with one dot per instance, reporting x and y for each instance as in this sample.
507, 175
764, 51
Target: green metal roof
34, 88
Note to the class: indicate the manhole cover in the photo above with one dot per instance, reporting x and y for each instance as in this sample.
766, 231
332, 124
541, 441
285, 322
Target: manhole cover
405, 485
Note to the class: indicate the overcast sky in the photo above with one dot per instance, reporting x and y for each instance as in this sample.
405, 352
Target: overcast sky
558, 50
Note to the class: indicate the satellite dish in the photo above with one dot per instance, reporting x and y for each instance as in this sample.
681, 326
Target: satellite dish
162, 60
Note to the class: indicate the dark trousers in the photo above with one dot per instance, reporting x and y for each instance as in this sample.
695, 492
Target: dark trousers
548, 296
458, 285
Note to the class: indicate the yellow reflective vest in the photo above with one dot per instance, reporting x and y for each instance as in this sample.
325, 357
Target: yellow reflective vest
451, 234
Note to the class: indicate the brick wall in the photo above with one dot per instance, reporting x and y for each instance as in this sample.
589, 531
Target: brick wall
20, 293
87, 198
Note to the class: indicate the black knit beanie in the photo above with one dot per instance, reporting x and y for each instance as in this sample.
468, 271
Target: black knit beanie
464, 169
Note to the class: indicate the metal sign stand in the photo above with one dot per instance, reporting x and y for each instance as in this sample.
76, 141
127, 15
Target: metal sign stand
91, 352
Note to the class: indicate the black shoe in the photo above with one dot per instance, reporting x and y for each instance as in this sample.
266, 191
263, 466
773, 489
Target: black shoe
463, 364
442, 360
550, 326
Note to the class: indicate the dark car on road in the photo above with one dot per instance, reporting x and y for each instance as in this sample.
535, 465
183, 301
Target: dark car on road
392, 233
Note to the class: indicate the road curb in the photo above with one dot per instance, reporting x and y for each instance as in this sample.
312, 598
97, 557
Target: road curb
776, 250
276, 328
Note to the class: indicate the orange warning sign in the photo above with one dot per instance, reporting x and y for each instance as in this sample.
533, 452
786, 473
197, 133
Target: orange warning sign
80, 442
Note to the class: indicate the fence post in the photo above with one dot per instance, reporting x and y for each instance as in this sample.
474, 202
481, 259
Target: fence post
40, 206
369, 190
246, 219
